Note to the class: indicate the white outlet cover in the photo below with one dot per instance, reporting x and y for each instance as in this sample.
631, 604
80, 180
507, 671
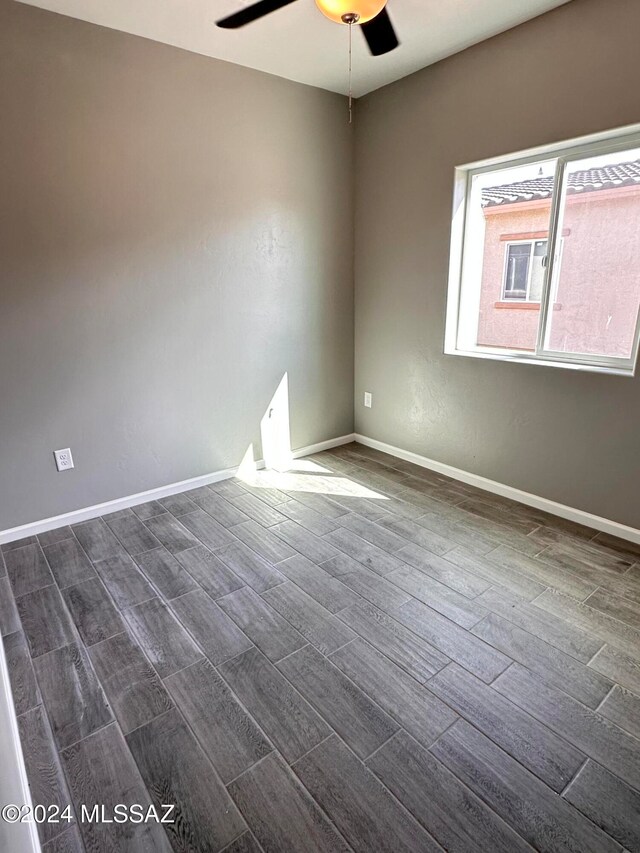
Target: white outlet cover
368, 399
64, 459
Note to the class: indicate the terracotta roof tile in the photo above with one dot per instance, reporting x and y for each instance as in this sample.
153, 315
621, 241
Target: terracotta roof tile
588, 180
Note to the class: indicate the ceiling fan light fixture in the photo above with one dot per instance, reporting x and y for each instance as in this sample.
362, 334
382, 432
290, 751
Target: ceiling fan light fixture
350, 11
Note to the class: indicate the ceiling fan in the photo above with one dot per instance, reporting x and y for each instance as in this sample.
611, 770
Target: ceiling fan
371, 15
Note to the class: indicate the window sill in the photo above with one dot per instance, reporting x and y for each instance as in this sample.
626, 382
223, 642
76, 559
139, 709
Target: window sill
532, 359
514, 305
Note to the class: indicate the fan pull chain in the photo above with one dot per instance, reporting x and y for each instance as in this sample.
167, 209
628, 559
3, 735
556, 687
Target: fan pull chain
350, 18
350, 76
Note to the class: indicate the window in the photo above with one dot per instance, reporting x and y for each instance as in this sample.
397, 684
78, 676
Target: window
524, 270
545, 256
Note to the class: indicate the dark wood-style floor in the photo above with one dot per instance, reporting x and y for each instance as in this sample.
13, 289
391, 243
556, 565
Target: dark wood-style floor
358, 654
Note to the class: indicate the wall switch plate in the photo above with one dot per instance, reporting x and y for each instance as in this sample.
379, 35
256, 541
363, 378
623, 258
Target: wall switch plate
368, 399
64, 459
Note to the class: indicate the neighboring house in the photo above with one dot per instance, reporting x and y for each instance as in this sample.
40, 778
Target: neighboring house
597, 279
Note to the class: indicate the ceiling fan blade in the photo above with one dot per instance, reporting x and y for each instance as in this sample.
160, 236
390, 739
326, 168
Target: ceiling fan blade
251, 13
379, 33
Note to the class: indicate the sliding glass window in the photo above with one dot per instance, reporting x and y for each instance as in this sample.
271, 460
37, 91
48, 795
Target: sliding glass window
545, 257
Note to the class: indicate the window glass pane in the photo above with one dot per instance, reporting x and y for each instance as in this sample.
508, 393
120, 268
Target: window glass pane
596, 289
505, 239
517, 270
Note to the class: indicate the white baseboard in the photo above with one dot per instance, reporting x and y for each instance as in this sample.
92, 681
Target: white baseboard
606, 525
324, 445
632, 534
90, 512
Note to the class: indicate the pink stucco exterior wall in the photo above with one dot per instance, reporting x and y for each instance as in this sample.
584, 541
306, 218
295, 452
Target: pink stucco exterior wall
598, 291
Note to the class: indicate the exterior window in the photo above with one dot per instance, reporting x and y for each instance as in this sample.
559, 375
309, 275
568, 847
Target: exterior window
524, 270
514, 221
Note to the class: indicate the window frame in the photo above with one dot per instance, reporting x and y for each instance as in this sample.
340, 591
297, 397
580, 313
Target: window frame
564, 153
516, 300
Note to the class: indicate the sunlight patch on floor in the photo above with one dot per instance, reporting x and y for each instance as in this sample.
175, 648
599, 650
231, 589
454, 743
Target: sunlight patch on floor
302, 465
293, 481
281, 470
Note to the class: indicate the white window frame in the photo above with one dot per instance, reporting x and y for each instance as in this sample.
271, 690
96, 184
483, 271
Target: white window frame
564, 153
510, 301
527, 296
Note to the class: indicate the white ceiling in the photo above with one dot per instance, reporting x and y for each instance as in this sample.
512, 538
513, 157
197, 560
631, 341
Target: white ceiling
299, 43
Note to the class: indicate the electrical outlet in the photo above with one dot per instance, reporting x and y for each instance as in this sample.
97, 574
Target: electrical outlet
368, 399
64, 459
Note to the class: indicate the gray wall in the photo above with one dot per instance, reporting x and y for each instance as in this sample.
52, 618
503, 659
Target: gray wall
175, 234
571, 437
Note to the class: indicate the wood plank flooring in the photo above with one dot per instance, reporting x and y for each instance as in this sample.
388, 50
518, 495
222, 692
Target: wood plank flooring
357, 655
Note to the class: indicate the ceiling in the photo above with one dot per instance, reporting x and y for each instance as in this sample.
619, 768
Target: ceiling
299, 43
